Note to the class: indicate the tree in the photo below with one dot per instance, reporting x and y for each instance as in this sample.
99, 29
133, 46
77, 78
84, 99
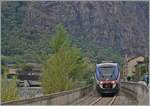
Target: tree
26, 68
65, 67
142, 70
146, 60
60, 39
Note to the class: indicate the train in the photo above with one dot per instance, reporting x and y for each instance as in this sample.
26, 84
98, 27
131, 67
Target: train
107, 78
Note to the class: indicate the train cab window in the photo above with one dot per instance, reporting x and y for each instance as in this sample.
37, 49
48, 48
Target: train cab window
107, 71
110, 72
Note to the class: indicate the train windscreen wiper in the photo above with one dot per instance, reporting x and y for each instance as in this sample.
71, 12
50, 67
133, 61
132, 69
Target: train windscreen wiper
101, 74
113, 74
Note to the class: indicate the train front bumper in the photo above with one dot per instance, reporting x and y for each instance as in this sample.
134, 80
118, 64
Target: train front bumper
108, 90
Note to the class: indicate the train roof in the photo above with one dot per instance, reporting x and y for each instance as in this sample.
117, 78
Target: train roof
107, 64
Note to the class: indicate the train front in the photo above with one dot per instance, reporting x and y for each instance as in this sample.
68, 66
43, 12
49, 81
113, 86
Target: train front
107, 78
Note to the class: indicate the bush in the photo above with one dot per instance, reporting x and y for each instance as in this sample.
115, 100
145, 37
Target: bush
9, 89
128, 78
4, 69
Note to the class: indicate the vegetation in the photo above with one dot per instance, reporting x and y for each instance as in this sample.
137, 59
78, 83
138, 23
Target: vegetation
8, 88
4, 69
12, 17
21, 45
18, 44
128, 78
142, 69
26, 68
97, 53
65, 67
67, 60
146, 61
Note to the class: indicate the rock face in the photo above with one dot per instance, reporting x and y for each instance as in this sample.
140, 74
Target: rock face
122, 25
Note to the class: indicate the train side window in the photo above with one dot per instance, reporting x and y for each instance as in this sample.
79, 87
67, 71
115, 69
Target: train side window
117, 71
97, 73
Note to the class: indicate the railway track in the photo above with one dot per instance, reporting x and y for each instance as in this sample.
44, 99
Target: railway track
91, 99
95, 100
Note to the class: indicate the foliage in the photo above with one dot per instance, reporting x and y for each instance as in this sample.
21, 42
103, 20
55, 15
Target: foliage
146, 61
65, 67
16, 40
142, 70
29, 45
9, 89
26, 68
4, 69
61, 38
97, 53
12, 18
12, 59
128, 78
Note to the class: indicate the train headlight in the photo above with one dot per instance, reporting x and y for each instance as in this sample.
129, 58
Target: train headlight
114, 84
101, 86
101, 82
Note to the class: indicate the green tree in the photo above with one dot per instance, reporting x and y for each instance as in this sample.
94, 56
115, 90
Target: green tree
26, 68
142, 69
65, 66
146, 60
60, 39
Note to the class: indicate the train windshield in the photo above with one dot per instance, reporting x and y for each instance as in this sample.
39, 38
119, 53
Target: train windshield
108, 72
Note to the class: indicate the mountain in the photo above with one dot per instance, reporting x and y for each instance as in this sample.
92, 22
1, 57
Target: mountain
121, 25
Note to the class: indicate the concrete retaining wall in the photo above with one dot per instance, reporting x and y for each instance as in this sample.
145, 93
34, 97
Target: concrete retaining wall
140, 91
28, 92
60, 98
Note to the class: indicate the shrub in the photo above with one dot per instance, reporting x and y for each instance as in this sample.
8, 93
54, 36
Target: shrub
9, 89
128, 78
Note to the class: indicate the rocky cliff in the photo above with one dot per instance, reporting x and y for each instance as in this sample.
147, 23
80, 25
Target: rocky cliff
121, 25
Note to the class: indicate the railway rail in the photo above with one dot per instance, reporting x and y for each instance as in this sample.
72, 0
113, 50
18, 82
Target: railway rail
96, 101
92, 99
